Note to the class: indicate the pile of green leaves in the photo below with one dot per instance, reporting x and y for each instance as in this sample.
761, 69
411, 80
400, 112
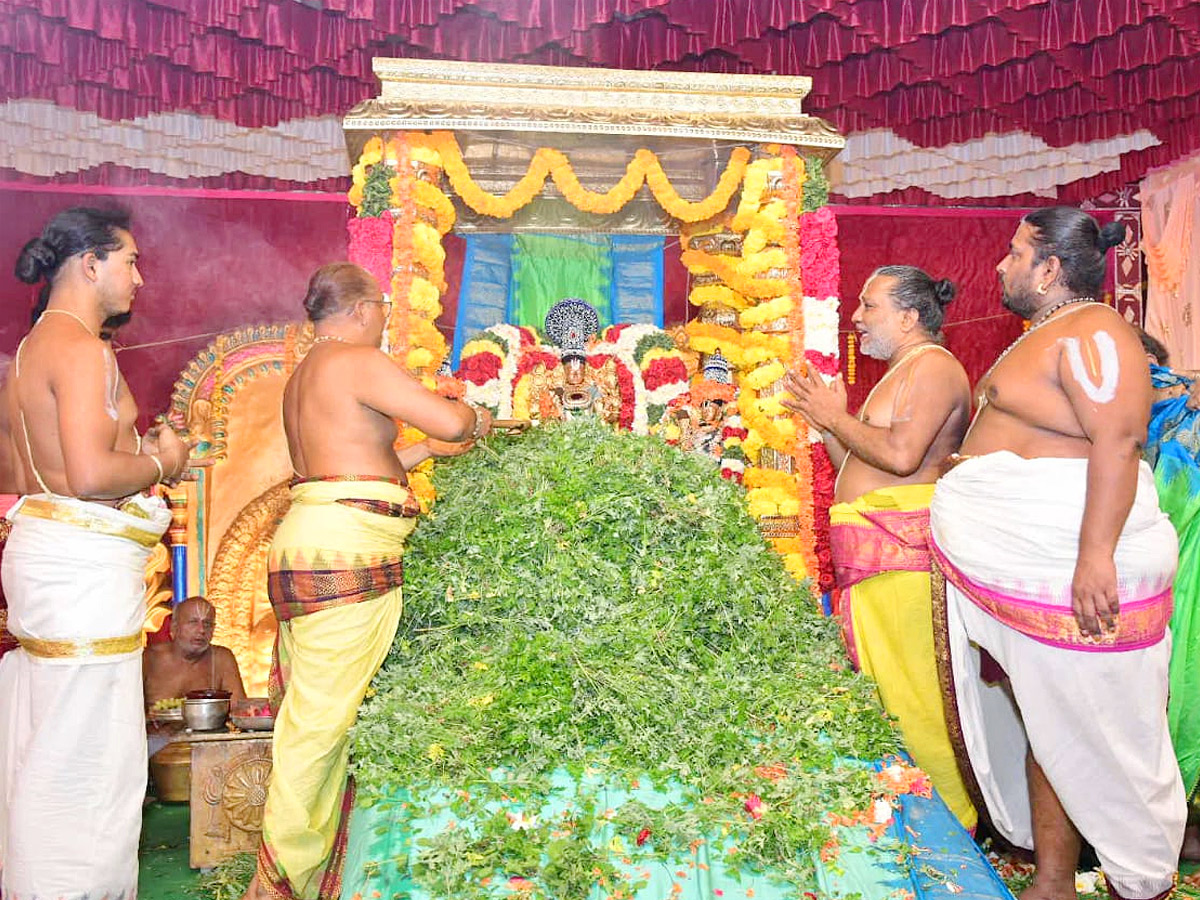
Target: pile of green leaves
597, 602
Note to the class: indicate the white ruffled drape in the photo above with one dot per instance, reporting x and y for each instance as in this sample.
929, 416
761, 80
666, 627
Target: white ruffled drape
39, 138
997, 165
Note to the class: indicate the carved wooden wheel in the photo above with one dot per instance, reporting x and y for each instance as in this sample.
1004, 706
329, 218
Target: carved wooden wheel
245, 793
239, 572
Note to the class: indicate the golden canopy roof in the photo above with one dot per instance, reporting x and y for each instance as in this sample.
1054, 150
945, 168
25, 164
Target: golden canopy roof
444, 95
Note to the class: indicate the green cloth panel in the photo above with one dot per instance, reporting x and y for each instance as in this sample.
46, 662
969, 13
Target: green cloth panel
1180, 501
1173, 450
548, 268
384, 838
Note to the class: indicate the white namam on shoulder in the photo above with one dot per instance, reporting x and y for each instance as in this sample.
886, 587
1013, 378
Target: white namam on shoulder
1107, 361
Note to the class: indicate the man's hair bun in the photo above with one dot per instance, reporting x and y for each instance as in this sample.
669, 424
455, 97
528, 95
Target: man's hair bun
944, 291
37, 259
1111, 234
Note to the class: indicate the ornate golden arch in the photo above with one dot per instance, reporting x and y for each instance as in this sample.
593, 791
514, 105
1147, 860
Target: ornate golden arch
230, 396
237, 586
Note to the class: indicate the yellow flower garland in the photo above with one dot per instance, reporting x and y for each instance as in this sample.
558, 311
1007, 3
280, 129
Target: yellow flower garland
763, 376
767, 311
769, 227
643, 168
718, 293
733, 273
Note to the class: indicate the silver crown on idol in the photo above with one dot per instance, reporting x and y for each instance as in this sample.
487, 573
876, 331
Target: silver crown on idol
569, 324
717, 368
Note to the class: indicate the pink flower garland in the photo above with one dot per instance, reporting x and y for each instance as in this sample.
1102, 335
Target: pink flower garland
371, 247
821, 271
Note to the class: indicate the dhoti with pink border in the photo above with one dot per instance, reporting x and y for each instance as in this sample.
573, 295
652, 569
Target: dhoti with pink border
1005, 536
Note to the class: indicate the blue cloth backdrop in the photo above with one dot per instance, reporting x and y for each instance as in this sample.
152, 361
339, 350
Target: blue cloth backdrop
486, 291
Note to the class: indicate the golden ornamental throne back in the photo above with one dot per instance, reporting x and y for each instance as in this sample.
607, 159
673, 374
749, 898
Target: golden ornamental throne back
231, 398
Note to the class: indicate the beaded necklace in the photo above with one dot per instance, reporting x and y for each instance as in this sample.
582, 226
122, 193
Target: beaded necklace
1082, 301
1043, 321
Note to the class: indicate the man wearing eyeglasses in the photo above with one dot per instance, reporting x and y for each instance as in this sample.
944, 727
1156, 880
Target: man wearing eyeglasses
335, 567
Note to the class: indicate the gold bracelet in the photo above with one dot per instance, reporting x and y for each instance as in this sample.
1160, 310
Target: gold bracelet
158, 465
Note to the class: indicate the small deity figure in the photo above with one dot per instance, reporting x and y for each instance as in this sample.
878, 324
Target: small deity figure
545, 394
608, 385
579, 395
583, 390
701, 419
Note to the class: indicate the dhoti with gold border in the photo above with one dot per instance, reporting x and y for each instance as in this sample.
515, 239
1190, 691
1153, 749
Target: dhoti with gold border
880, 545
1005, 534
72, 725
335, 576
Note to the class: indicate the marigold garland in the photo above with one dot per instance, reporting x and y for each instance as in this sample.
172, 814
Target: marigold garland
770, 222
770, 244
643, 168
734, 273
403, 219
718, 293
793, 196
413, 257
766, 311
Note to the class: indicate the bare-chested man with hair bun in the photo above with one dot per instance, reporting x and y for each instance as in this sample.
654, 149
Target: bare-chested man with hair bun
1059, 564
72, 729
889, 456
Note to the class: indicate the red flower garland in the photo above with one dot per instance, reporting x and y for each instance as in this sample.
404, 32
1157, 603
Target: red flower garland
612, 332
371, 247
824, 363
664, 370
821, 266
824, 478
530, 359
820, 259
480, 368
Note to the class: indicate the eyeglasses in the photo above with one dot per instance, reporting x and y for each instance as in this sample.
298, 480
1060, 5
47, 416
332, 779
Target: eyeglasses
386, 304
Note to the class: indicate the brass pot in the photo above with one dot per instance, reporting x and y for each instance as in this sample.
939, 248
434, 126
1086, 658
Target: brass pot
171, 771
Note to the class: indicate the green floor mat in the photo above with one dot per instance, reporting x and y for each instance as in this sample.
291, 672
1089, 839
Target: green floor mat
163, 854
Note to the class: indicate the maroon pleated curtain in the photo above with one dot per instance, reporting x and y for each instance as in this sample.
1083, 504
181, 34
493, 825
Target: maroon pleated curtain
933, 71
964, 246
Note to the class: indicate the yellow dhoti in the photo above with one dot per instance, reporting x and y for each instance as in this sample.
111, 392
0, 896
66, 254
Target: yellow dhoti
335, 582
881, 559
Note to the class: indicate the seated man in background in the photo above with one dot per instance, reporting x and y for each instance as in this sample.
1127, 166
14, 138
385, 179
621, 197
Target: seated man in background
889, 455
190, 661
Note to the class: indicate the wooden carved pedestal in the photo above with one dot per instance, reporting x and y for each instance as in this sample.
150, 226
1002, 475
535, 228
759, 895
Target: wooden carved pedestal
229, 789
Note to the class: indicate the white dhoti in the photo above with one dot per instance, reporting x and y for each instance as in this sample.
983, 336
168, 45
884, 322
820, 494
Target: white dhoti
1094, 711
72, 725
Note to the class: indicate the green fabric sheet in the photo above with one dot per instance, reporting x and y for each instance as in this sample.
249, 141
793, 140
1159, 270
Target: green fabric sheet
549, 268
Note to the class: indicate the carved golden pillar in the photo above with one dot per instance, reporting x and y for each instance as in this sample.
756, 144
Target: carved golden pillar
177, 538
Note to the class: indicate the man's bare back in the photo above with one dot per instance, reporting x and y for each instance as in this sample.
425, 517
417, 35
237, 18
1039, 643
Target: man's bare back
329, 429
